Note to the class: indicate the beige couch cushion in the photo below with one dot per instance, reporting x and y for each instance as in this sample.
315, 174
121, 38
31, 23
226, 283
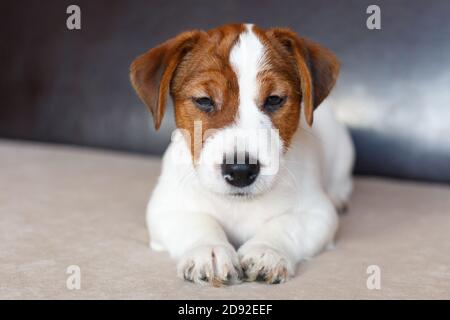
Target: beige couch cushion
62, 206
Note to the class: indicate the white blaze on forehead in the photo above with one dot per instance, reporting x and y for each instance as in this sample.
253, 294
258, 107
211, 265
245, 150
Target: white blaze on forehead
252, 132
247, 59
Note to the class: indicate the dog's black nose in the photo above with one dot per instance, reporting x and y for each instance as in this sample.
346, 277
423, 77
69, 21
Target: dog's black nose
240, 174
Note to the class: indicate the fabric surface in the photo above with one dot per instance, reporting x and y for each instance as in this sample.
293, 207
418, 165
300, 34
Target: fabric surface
62, 206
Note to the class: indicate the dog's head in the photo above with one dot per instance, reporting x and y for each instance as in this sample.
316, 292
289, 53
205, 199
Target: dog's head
237, 92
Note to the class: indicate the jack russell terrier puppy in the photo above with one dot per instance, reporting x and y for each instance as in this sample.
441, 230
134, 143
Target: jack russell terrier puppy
249, 186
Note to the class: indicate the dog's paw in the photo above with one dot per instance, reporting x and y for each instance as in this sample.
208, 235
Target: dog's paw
263, 263
216, 265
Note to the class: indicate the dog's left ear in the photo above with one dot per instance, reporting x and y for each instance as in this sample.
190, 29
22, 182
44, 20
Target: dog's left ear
317, 66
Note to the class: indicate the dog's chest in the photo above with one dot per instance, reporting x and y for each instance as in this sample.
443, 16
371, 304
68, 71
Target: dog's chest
241, 219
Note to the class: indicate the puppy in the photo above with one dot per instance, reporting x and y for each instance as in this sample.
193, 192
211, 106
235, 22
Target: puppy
249, 186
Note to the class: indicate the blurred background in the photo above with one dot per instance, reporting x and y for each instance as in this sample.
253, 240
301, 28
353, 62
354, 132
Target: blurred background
72, 87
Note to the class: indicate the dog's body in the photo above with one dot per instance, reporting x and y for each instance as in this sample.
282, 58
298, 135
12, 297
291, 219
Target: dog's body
222, 221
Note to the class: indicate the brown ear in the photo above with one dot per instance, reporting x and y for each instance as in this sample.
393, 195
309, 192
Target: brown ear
318, 68
152, 72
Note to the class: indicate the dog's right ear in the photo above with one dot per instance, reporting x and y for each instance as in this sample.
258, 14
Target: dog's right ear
152, 72
318, 68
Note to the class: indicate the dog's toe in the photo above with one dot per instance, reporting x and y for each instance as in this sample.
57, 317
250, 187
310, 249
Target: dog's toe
215, 265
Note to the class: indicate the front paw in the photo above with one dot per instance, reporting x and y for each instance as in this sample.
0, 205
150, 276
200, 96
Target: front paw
216, 265
263, 263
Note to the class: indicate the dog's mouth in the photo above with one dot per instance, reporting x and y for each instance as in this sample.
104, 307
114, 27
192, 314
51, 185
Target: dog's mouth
236, 195
240, 194
244, 194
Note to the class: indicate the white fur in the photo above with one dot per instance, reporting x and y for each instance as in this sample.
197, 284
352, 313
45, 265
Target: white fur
290, 214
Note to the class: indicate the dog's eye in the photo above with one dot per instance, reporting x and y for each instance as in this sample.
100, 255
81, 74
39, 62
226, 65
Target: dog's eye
204, 103
273, 103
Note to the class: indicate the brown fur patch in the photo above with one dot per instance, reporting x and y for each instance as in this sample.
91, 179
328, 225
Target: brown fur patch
206, 71
317, 67
280, 77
